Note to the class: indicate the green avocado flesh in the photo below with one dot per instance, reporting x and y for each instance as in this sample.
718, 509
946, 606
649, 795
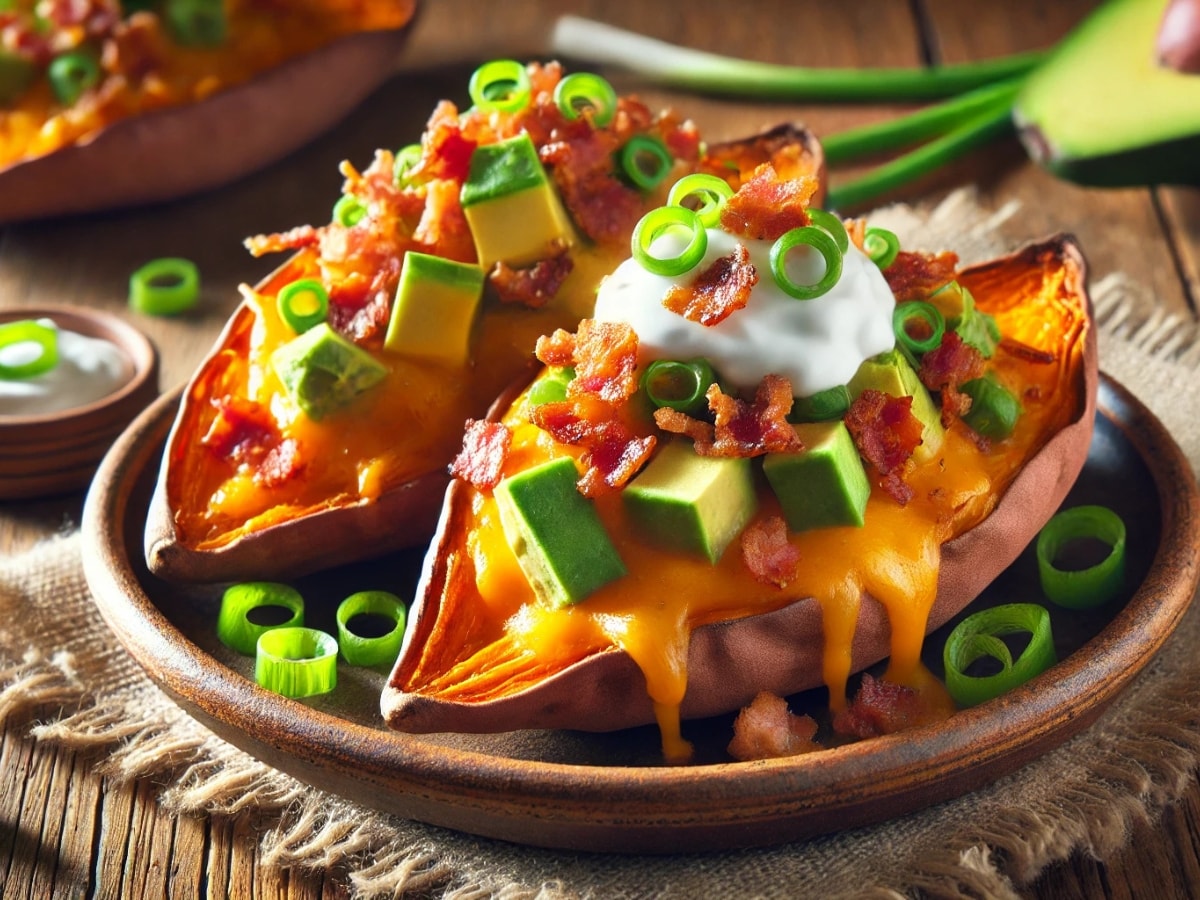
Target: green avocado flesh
1103, 111
825, 484
692, 503
556, 534
503, 168
890, 373
322, 371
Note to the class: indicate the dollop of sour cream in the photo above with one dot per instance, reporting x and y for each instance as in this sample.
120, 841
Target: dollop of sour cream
88, 369
816, 344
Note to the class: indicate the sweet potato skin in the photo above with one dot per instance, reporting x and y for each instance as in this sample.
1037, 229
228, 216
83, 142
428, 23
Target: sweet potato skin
255, 124
344, 532
779, 651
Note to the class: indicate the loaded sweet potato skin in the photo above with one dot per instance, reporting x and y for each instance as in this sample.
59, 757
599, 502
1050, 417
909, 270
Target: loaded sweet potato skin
456, 674
405, 437
160, 101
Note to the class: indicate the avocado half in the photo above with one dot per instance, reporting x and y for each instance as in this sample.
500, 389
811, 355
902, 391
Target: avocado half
1104, 110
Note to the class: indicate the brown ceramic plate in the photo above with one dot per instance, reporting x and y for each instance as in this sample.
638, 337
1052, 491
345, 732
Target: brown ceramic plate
610, 792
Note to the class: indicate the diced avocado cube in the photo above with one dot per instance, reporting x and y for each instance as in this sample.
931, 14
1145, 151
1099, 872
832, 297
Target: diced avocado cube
511, 205
322, 371
555, 532
951, 300
957, 306
693, 503
435, 308
823, 485
891, 373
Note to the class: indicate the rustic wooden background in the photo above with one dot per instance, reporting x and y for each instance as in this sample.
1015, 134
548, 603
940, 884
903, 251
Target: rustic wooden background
64, 831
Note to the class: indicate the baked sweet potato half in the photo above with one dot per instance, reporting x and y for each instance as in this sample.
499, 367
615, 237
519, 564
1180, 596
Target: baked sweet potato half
258, 482
678, 633
103, 104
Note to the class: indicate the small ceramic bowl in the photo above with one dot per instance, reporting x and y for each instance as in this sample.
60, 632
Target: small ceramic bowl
57, 452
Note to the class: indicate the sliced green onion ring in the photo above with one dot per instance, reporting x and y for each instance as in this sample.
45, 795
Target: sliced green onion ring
362, 650
164, 287
406, 158
71, 75
821, 241
501, 85
708, 191
196, 23
296, 662
979, 634
831, 224
823, 406
247, 608
1095, 585
303, 304
679, 385
653, 225
348, 211
585, 92
645, 161
42, 339
918, 311
882, 246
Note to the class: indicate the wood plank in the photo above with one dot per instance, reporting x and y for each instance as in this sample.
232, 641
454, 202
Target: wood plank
1181, 209
81, 823
114, 854
32, 872
17, 765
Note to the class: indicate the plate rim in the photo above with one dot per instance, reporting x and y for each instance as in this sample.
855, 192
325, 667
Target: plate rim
585, 806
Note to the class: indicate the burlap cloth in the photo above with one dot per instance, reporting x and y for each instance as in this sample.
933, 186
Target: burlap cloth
55, 653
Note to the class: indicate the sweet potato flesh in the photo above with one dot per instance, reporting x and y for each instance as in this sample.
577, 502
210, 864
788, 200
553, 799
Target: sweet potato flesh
490, 638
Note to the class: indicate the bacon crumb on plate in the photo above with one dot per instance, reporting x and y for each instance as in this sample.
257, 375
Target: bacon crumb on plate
766, 729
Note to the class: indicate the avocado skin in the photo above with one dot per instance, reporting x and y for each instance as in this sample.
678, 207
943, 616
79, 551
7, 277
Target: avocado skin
1103, 112
1174, 162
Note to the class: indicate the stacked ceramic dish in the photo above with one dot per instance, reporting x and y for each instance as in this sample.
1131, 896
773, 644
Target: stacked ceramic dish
71, 380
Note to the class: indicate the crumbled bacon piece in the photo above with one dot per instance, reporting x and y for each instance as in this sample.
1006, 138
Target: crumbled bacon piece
768, 553
613, 453
946, 368
604, 355
281, 464
484, 451
767, 206
717, 291
443, 228
914, 276
240, 429
445, 151
533, 286
243, 432
886, 433
363, 322
676, 422
766, 729
880, 707
296, 239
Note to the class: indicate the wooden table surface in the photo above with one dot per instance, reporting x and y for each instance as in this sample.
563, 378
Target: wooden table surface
84, 837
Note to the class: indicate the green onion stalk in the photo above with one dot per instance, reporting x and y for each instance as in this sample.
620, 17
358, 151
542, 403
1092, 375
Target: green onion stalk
681, 67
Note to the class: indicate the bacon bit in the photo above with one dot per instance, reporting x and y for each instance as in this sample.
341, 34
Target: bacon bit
281, 464
768, 554
674, 421
766, 729
557, 349
296, 239
880, 707
364, 323
767, 206
914, 276
604, 355
241, 429
946, 368
1013, 347
886, 433
856, 230
485, 448
740, 429
534, 286
717, 291
612, 452
445, 151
